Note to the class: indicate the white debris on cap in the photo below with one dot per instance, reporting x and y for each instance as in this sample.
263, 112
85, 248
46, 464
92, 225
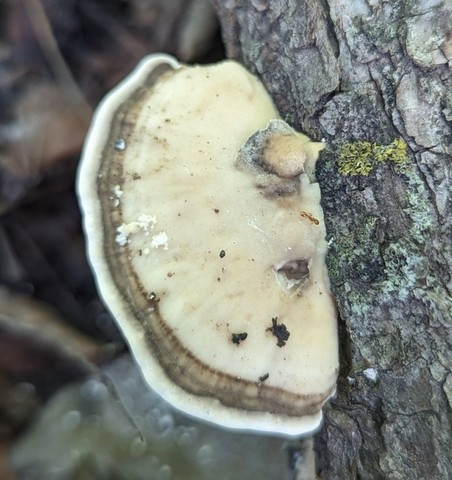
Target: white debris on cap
145, 223
160, 240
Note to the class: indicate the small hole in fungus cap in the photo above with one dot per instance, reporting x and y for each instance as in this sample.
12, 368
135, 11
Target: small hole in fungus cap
297, 269
294, 272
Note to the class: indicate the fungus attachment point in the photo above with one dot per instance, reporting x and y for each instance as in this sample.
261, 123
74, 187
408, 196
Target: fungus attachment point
193, 192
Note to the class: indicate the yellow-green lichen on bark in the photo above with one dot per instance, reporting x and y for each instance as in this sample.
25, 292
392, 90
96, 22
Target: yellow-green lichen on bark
360, 157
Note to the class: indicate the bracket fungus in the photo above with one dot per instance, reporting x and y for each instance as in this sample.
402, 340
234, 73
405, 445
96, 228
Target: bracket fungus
206, 236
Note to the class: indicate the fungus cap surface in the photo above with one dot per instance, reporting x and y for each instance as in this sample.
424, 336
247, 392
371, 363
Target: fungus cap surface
206, 236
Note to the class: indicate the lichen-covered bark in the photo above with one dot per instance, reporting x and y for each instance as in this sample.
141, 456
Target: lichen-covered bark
353, 70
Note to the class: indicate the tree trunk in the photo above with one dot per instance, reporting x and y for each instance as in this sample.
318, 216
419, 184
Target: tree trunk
361, 75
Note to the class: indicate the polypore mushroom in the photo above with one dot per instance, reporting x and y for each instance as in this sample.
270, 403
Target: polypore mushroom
206, 236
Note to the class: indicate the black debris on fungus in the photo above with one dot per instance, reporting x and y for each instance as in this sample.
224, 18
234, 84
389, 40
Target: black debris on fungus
222, 254
279, 331
238, 337
264, 377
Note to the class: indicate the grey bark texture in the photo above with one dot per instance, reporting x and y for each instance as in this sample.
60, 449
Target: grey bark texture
347, 71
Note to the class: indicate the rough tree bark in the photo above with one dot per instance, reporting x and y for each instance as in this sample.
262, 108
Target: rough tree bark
375, 71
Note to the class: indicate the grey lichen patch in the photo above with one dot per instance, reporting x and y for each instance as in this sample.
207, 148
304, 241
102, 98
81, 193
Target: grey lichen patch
346, 249
425, 38
402, 263
404, 258
419, 210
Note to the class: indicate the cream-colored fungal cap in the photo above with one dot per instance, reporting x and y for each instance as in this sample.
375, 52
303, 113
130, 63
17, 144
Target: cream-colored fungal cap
207, 239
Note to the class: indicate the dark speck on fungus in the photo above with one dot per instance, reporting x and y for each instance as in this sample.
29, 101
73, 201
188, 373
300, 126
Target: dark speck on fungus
238, 337
279, 331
